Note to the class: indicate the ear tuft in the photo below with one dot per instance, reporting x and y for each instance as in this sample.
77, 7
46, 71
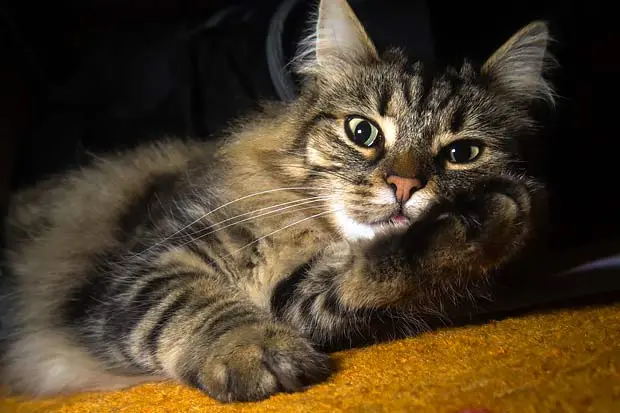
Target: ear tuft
338, 38
518, 67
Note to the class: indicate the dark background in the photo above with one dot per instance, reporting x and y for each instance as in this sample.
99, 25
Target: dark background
45, 44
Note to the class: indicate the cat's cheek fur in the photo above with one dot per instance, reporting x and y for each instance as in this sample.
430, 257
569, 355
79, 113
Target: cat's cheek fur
420, 203
351, 229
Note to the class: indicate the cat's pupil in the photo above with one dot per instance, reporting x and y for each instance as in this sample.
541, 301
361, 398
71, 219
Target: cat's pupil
363, 131
462, 152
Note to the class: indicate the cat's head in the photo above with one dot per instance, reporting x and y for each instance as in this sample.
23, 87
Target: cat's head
387, 139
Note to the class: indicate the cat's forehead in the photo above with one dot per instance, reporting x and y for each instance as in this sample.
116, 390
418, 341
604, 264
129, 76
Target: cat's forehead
414, 101
398, 89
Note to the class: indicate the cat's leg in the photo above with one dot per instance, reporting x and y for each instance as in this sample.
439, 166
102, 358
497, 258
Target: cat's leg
460, 246
201, 331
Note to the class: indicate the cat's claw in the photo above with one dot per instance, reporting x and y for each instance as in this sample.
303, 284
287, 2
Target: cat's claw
252, 363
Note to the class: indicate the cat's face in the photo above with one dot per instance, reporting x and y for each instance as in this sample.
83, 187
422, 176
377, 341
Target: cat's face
390, 139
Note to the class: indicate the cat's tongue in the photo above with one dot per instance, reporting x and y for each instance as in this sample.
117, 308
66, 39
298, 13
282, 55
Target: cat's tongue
400, 219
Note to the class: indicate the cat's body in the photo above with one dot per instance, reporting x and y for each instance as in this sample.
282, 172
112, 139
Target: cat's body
224, 266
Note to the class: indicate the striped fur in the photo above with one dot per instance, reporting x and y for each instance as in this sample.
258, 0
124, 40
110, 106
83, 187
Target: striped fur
229, 266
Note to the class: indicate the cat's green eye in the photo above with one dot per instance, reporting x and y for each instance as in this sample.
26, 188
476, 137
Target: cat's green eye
461, 152
362, 131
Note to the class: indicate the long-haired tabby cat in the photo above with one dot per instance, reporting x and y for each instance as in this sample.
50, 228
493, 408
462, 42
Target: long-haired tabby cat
384, 192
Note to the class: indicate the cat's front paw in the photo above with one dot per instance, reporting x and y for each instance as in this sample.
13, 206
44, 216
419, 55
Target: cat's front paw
499, 212
482, 229
495, 222
253, 362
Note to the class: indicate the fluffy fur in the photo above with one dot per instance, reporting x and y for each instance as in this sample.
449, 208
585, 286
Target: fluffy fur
231, 267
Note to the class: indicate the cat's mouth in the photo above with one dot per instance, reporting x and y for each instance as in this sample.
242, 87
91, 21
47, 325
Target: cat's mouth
393, 219
396, 221
399, 219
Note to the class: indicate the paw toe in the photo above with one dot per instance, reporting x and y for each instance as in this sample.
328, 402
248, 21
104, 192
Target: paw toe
253, 365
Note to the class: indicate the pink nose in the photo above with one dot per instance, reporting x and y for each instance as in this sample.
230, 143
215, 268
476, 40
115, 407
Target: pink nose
403, 187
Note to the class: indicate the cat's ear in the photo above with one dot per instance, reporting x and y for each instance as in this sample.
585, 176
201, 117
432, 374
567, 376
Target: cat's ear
518, 67
338, 38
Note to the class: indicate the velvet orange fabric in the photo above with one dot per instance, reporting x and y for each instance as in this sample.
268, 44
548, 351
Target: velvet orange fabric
561, 361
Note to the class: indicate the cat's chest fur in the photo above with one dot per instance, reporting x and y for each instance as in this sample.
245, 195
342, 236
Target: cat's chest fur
274, 259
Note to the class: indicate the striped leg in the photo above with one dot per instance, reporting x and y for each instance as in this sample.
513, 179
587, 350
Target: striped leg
199, 331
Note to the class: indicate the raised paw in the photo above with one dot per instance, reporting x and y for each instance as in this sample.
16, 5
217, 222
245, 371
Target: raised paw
498, 217
253, 362
479, 230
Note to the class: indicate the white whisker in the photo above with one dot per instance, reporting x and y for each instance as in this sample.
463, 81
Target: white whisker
282, 229
200, 235
295, 202
295, 188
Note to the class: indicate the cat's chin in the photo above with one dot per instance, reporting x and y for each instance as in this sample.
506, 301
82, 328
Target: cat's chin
353, 230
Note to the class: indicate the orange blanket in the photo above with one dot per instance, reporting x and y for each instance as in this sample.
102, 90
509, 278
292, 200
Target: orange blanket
563, 361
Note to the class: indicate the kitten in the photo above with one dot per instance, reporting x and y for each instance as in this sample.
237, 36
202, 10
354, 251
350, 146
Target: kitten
384, 192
